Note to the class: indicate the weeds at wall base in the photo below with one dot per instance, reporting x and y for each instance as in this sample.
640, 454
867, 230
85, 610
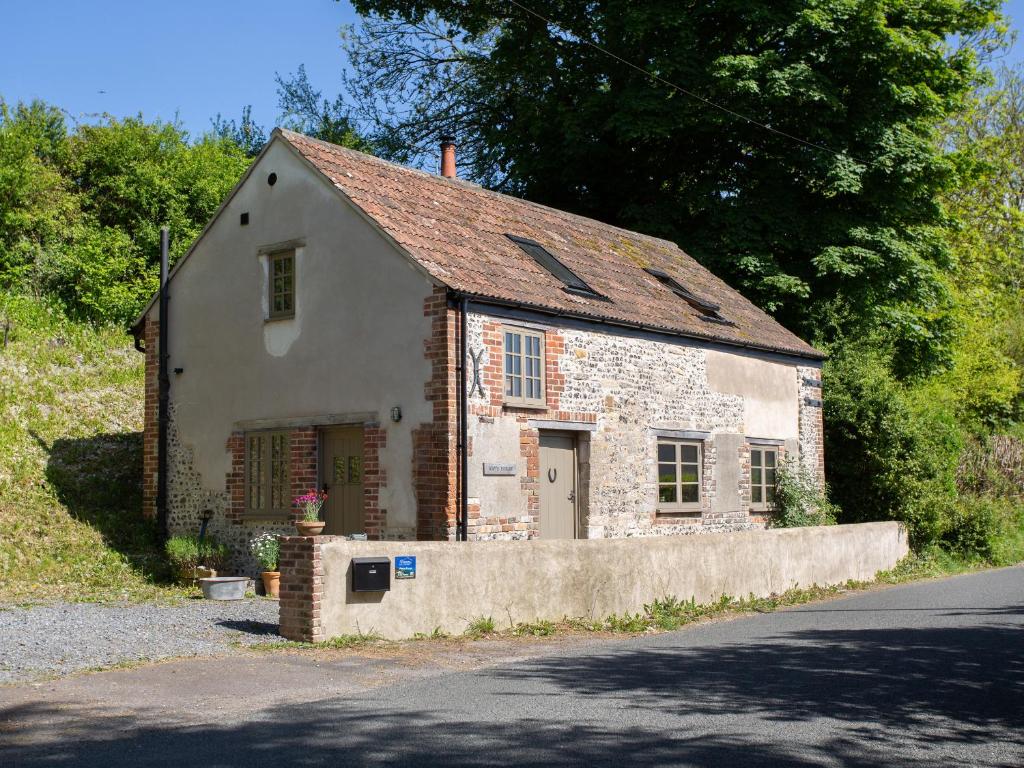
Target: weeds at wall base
341, 642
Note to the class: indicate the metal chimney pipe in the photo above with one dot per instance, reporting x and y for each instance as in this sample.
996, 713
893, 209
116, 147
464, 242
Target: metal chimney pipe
448, 157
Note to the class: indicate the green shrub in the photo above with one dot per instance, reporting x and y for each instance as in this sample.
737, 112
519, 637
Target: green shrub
799, 500
971, 525
187, 553
214, 554
1007, 546
890, 455
183, 552
990, 529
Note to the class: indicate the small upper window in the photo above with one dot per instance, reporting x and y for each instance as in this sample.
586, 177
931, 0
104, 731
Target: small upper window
572, 282
708, 311
282, 284
679, 475
763, 462
524, 367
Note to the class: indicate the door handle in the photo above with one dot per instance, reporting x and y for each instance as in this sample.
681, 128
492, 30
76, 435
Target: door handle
327, 487
572, 495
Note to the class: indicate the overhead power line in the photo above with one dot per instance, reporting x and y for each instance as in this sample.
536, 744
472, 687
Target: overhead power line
685, 91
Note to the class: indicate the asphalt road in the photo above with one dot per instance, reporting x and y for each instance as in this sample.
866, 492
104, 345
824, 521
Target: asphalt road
930, 674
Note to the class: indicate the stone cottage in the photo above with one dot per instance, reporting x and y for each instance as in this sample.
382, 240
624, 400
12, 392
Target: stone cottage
448, 362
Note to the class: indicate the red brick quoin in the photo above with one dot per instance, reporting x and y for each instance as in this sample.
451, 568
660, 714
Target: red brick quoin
151, 337
435, 461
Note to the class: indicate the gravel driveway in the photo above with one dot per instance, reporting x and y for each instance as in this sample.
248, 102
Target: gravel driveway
59, 638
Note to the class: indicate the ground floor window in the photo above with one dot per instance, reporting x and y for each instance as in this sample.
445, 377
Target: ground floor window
763, 463
679, 475
266, 474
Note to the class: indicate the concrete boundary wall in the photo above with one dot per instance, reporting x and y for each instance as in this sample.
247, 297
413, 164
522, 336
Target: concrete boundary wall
525, 581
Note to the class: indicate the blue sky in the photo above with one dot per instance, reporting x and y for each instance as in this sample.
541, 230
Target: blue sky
188, 59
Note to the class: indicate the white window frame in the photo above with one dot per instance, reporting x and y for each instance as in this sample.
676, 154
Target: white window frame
523, 401
764, 505
678, 506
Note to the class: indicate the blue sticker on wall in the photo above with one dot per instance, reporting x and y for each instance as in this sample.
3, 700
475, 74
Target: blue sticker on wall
405, 567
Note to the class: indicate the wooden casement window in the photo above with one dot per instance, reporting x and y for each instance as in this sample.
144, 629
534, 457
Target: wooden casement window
267, 477
680, 471
523, 355
763, 462
282, 284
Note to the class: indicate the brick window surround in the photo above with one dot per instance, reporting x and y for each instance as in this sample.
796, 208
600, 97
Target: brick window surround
304, 443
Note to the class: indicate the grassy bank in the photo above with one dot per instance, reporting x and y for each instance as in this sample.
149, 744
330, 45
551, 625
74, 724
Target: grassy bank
70, 462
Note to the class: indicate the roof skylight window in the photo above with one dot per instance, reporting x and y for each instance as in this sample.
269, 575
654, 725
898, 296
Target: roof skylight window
708, 311
572, 283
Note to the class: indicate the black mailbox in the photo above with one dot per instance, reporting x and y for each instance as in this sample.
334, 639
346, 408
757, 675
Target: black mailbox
371, 574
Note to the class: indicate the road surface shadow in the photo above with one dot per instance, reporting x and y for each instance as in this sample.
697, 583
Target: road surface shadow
358, 734
901, 683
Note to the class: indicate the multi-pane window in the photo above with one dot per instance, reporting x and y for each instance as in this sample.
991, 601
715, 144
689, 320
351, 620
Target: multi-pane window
679, 475
267, 490
763, 462
282, 284
524, 367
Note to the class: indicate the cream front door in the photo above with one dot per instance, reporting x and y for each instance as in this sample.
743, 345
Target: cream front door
342, 477
557, 486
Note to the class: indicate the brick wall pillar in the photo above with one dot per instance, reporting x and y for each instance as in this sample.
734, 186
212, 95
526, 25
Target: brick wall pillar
302, 588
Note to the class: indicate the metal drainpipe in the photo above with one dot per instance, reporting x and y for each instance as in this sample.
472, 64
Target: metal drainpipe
462, 530
164, 392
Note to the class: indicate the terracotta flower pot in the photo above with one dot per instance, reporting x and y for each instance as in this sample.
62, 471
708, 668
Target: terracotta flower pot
309, 527
272, 583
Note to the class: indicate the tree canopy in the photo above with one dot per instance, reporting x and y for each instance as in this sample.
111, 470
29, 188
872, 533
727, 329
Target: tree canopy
81, 210
839, 232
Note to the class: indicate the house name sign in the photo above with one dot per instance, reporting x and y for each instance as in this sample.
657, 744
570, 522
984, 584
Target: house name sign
499, 468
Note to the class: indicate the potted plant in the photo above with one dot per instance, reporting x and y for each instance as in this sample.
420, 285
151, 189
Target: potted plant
266, 548
310, 503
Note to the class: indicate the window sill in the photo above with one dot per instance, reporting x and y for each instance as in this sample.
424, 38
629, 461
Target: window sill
275, 318
525, 406
276, 517
669, 512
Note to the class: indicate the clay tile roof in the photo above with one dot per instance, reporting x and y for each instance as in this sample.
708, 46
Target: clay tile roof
457, 232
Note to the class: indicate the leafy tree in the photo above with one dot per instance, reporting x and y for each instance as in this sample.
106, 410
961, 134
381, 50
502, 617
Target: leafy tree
304, 109
37, 205
246, 133
839, 233
80, 211
988, 275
